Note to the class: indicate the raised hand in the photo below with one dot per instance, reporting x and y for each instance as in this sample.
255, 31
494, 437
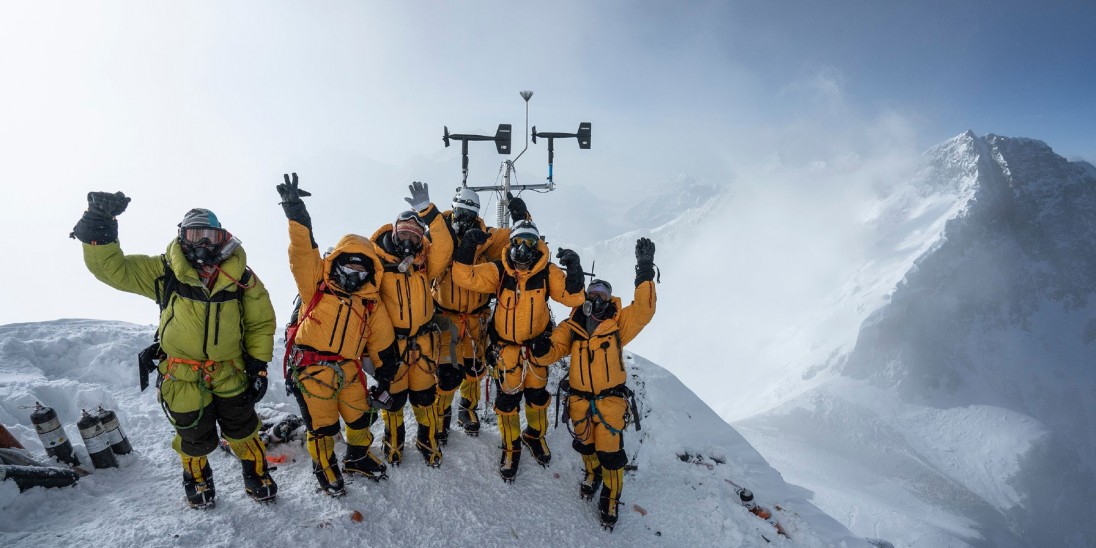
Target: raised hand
465, 253
98, 226
107, 204
645, 260
645, 251
289, 191
475, 237
518, 210
568, 259
420, 195
293, 205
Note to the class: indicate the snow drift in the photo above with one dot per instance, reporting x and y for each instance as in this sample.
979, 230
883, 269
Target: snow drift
681, 492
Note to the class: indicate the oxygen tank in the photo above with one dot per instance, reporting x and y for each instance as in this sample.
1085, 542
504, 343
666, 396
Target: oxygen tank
119, 443
52, 434
96, 440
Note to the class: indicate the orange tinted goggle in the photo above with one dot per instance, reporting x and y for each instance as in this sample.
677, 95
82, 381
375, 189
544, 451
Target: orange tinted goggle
196, 235
526, 240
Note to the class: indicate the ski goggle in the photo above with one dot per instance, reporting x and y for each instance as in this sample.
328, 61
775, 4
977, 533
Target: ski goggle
352, 268
462, 215
598, 292
205, 234
528, 240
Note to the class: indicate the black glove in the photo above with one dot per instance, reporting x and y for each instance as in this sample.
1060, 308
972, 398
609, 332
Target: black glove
420, 195
380, 396
518, 210
148, 361
570, 262
98, 224
541, 344
108, 204
645, 260
291, 202
466, 251
256, 379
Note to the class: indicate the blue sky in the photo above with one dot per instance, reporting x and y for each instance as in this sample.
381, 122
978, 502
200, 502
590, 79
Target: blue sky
207, 103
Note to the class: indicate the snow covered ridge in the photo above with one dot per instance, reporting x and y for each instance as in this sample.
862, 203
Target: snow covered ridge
681, 492
968, 402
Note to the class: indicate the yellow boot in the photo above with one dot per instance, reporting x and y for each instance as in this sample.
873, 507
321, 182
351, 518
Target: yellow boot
533, 436
427, 440
443, 408
510, 431
610, 496
591, 478
198, 482
393, 435
252, 454
324, 465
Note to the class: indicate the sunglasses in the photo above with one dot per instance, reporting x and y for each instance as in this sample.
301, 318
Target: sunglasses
198, 235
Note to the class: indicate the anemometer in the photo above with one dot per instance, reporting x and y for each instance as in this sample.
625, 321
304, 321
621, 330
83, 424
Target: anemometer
501, 138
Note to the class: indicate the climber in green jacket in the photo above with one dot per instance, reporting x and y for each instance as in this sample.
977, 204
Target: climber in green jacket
216, 336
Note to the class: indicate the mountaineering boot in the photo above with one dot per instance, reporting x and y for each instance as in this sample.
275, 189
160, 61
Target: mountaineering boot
257, 481
508, 464
324, 465
533, 436
198, 483
359, 460
446, 420
509, 426
537, 445
392, 444
591, 478
467, 418
443, 407
610, 497
426, 439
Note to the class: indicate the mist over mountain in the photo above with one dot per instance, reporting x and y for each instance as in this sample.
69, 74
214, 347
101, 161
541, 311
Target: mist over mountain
970, 386
941, 393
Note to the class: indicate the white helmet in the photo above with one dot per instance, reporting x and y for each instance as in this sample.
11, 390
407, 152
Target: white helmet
466, 198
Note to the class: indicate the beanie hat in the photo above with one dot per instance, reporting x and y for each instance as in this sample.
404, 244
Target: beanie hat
409, 227
199, 217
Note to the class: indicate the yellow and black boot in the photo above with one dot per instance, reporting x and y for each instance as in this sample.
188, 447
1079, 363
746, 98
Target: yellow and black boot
470, 396
427, 440
591, 478
510, 430
324, 465
393, 436
533, 436
257, 481
466, 413
610, 497
443, 406
449, 379
198, 482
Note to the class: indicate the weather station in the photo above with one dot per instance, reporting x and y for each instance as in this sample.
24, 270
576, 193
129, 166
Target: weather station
502, 140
